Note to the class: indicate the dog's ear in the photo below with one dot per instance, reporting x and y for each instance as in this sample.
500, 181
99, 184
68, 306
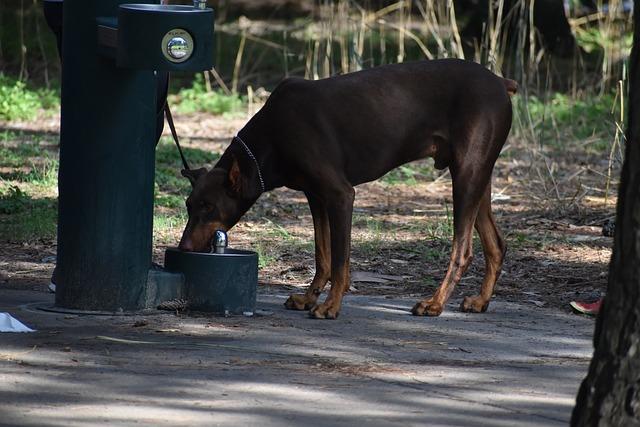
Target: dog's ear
235, 176
242, 180
193, 174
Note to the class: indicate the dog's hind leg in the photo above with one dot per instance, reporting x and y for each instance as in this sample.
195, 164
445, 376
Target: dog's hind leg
494, 249
471, 175
323, 258
339, 203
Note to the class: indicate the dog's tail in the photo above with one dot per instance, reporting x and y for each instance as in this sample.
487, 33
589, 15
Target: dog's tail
511, 86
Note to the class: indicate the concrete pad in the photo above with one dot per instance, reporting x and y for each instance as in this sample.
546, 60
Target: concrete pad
377, 364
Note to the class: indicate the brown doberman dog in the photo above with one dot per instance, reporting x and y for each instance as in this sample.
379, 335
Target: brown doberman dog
324, 137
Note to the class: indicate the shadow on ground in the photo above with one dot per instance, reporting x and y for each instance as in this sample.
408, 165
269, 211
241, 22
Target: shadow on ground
514, 365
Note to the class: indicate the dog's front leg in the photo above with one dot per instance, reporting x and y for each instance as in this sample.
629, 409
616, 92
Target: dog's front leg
323, 257
339, 203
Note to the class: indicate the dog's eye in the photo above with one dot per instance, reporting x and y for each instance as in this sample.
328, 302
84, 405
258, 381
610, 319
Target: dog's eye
205, 206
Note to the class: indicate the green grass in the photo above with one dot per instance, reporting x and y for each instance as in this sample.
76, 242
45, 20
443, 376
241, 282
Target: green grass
28, 187
171, 187
265, 253
278, 232
15, 156
43, 174
433, 254
28, 182
410, 173
441, 228
18, 101
24, 217
372, 234
518, 239
21, 101
559, 119
167, 155
26, 161
164, 224
198, 99
592, 39
171, 201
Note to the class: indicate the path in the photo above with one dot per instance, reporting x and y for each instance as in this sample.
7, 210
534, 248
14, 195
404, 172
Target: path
376, 365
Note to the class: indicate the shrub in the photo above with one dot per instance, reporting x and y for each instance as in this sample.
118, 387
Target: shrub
197, 98
19, 102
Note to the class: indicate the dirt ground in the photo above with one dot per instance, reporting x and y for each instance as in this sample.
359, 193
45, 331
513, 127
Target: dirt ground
516, 365
549, 203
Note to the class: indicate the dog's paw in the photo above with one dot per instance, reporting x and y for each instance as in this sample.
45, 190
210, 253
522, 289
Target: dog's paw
325, 311
475, 304
299, 302
427, 307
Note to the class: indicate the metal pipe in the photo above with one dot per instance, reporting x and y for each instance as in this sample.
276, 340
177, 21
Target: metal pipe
220, 242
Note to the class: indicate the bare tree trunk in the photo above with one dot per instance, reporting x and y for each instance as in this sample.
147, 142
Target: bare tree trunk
610, 394
549, 20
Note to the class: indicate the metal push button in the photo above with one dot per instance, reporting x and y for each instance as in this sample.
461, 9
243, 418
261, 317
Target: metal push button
177, 48
177, 45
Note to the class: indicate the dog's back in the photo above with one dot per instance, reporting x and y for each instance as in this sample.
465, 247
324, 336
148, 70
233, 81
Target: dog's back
389, 115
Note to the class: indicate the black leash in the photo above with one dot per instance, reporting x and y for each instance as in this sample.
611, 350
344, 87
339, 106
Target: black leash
174, 134
167, 112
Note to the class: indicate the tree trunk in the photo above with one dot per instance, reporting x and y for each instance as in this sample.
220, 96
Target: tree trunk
548, 18
610, 394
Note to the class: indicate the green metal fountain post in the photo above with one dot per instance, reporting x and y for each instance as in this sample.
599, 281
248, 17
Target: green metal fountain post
108, 136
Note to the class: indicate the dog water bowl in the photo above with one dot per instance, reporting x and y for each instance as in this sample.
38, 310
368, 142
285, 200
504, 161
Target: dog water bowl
223, 283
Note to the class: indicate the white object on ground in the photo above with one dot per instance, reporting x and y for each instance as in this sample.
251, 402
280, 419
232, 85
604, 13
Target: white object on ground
11, 324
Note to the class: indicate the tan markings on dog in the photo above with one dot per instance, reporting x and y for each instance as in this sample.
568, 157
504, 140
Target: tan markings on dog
198, 238
322, 236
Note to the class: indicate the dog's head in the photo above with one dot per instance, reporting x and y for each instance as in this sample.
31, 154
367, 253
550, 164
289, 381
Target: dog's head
218, 200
